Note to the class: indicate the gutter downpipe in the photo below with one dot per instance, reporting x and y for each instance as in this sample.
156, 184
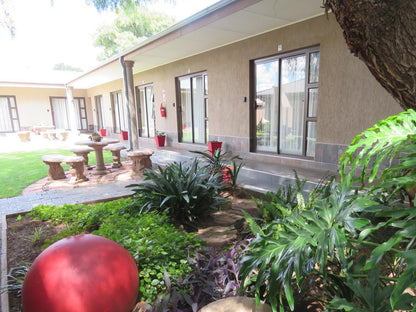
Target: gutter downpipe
126, 98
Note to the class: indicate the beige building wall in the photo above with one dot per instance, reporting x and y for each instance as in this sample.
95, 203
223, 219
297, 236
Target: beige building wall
33, 103
350, 99
105, 91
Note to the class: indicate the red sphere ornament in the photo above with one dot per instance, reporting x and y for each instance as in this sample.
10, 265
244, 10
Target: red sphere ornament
83, 273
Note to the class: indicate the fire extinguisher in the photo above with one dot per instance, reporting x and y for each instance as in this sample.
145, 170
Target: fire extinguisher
162, 111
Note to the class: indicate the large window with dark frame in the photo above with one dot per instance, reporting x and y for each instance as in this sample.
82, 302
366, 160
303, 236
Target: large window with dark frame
99, 111
119, 111
146, 110
286, 102
81, 113
193, 108
9, 117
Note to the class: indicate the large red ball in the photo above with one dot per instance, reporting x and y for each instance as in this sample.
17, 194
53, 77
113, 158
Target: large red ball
83, 273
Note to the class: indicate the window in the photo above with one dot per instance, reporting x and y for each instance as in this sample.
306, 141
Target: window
286, 101
146, 110
9, 117
59, 112
99, 112
81, 113
119, 112
193, 112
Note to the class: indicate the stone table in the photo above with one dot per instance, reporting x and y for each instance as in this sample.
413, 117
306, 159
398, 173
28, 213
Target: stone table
98, 148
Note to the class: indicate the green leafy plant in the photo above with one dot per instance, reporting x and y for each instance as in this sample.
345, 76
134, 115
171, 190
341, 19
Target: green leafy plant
151, 239
359, 243
184, 192
15, 279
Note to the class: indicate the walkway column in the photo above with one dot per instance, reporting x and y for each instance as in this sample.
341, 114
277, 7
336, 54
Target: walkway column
71, 109
131, 105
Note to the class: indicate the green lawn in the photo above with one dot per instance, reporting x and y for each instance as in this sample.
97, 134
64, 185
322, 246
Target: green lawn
18, 170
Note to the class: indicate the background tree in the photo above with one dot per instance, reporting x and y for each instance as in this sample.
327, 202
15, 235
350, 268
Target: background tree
382, 33
102, 5
132, 25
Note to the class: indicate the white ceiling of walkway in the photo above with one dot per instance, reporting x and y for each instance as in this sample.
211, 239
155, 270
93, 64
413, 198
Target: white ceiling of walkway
219, 25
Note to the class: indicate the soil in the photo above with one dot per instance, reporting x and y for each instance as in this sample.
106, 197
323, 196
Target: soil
25, 237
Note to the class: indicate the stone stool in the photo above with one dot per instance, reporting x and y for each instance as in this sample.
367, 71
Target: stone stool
55, 171
82, 151
77, 169
115, 150
141, 160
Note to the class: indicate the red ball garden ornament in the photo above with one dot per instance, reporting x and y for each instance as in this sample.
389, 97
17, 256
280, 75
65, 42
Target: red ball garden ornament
83, 273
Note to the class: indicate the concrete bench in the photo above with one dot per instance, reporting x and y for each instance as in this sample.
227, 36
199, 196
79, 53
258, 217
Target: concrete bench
115, 151
55, 171
140, 160
76, 164
24, 136
82, 151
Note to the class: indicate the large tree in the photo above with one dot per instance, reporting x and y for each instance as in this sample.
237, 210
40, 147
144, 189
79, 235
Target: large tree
382, 33
132, 25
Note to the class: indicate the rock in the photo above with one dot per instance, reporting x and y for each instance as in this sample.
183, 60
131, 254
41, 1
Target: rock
234, 304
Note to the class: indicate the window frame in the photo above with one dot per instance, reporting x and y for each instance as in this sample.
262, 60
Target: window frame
10, 108
308, 86
204, 76
139, 112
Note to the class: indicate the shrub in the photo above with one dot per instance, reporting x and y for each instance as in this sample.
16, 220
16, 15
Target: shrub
358, 242
184, 192
155, 244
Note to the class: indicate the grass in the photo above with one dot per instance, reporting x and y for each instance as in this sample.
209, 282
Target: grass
19, 170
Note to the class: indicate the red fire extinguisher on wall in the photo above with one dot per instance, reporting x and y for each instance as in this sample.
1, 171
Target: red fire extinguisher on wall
162, 111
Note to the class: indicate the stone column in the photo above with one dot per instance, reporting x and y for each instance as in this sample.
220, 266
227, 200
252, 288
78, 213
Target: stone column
71, 109
131, 104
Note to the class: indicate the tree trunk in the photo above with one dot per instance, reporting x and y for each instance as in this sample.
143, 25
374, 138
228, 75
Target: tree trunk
382, 33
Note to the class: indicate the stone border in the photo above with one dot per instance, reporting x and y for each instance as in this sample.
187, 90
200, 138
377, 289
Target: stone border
5, 295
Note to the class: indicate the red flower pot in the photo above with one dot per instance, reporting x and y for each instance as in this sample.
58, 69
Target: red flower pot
103, 132
124, 135
160, 140
213, 146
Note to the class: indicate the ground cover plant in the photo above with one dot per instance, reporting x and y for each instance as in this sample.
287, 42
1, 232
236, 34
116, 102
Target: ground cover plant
185, 192
155, 244
19, 170
351, 242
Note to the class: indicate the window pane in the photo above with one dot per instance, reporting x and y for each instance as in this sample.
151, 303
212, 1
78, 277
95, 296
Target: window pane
314, 67
143, 113
313, 102
5, 121
311, 139
199, 109
150, 110
292, 97
267, 96
60, 114
185, 87
206, 84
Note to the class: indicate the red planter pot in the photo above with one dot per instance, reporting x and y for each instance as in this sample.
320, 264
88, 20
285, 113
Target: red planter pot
160, 140
103, 132
213, 146
124, 135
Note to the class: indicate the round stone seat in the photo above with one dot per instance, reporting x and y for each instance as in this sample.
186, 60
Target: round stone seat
115, 151
140, 160
77, 168
55, 171
82, 151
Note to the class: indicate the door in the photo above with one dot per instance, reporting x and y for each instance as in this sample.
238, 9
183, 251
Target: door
119, 113
59, 113
9, 117
193, 112
146, 111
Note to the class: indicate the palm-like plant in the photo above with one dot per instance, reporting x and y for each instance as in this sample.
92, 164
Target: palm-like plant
359, 242
184, 192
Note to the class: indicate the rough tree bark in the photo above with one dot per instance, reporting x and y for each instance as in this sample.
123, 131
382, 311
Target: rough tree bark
382, 33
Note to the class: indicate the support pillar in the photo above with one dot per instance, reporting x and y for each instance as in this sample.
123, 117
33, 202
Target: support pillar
131, 105
71, 109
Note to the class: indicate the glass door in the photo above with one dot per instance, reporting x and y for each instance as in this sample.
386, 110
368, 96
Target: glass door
59, 113
193, 112
146, 111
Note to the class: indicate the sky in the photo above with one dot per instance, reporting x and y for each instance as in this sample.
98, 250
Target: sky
62, 33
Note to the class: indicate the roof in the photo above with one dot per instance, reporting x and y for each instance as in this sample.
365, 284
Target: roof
221, 24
